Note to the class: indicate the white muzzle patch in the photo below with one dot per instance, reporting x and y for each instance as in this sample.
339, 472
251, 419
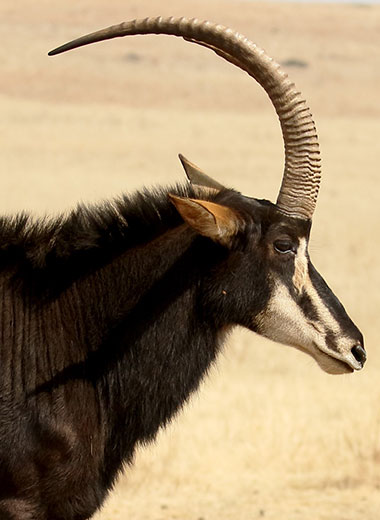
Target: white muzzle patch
285, 322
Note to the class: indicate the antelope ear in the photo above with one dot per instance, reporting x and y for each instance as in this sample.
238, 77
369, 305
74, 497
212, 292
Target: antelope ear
211, 220
196, 176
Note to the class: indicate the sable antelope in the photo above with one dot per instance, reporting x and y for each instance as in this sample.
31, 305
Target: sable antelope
112, 315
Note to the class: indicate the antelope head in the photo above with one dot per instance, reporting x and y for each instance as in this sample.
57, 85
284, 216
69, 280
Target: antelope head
295, 307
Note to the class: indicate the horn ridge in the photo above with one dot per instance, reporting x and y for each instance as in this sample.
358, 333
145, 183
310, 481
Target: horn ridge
301, 179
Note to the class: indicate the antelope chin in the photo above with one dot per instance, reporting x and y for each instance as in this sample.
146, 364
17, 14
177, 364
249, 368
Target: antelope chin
331, 365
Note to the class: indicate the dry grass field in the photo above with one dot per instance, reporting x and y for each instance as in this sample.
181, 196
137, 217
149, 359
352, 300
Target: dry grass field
268, 435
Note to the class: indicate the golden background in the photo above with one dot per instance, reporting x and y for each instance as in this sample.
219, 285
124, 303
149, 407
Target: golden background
269, 435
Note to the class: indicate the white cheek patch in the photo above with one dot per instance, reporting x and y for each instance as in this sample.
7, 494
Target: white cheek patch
284, 321
300, 266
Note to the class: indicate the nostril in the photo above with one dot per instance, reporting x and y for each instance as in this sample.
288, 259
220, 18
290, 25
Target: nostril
359, 354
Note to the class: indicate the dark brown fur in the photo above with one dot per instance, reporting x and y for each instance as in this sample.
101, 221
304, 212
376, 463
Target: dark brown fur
110, 318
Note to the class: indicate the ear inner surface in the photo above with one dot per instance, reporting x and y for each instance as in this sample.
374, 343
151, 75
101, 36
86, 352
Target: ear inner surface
215, 221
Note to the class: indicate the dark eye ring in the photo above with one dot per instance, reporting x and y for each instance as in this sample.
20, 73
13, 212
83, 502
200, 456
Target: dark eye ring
284, 246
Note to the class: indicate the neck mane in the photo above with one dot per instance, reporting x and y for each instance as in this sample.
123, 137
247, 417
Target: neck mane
38, 249
105, 306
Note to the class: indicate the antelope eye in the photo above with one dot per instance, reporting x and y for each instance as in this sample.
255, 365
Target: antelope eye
284, 246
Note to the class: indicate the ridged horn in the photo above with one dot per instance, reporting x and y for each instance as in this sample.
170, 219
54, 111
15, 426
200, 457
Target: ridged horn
302, 171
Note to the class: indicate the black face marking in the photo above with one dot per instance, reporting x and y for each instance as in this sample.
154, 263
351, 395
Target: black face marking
330, 339
307, 306
334, 306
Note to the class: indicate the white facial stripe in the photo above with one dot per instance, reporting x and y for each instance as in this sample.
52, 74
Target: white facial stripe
326, 319
285, 322
300, 265
302, 281
328, 324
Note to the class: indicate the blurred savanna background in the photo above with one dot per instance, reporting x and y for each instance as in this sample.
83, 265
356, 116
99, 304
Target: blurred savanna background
269, 435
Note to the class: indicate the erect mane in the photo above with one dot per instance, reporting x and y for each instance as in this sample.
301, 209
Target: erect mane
88, 237
122, 222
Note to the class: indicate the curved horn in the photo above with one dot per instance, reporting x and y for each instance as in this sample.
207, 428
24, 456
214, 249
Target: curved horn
302, 172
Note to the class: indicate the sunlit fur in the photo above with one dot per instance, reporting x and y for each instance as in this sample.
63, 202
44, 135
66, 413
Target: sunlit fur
111, 317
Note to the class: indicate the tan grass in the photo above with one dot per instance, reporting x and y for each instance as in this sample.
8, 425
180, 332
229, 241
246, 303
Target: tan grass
269, 435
